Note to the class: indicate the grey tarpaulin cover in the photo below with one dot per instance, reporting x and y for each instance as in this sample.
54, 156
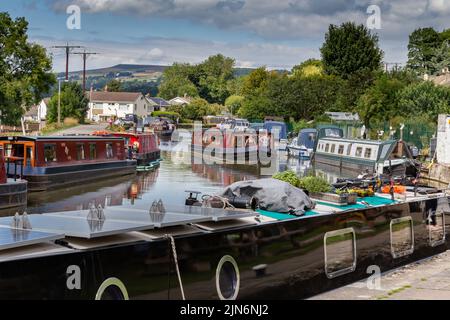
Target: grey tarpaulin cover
273, 195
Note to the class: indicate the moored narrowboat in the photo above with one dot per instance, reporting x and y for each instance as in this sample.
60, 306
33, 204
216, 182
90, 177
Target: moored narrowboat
122, 253
53, 162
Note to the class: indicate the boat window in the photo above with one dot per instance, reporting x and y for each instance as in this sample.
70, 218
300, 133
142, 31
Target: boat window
359, 151
8, 150
402, 237
340, 252
227, 278
436, 227
109, 151
80, 152
29, 156
92, 151
50, 153
327, 147
368, 153
349, 149
341, 149
333, 148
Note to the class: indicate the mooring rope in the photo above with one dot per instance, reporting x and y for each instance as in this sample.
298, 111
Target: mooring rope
175, 257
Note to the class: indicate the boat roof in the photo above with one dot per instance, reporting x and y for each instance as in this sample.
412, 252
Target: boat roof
362, 141
309, 130
58, 138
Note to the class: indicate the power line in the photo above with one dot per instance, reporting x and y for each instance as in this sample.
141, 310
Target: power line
85, 56
67, 48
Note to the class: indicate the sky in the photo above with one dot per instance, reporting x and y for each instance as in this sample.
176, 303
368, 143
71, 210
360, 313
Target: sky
277, 34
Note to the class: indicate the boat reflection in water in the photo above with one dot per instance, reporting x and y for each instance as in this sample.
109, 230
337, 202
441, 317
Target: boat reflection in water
111, 192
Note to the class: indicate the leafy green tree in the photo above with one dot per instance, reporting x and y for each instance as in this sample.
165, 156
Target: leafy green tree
25, 69
350, 49
234, 103
196, 110
114, 86
421, 50
74, 103
255, 82
177, 87
441, 58
424, 98
310, 67
212, 76
380, 102
256, 107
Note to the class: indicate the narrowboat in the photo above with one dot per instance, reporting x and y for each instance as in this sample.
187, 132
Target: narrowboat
142, 147
369, 156
54, 162
225, 147
204, 253
303, 145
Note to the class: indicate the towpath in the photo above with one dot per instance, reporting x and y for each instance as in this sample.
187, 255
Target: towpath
428, 279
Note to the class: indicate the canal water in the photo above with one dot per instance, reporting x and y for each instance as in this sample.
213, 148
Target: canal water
169, 183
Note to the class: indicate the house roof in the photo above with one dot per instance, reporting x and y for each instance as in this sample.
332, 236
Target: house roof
180, 100
33, 111
102, 96
159, 101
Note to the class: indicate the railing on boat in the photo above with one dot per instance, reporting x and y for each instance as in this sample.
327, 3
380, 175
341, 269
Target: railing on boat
17, 162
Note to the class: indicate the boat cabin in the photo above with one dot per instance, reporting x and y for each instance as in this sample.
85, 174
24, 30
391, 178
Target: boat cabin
365, 154
64, 150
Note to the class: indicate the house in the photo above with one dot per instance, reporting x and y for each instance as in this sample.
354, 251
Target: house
160, 103
105, 105
180, 101
32, 114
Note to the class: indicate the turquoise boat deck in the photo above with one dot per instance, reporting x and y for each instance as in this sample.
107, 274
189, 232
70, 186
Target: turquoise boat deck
325, 207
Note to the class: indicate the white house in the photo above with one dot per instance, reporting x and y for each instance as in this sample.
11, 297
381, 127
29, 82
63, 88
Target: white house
104, 105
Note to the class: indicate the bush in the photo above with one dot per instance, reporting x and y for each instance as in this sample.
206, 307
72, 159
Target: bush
315, 184
71, 122
168, 114
289, 177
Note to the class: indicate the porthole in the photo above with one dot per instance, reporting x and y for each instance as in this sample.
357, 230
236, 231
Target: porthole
402, 237
227, 278
436, 227
340, 252
112, 289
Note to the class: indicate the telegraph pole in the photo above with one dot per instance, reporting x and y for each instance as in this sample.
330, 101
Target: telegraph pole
67, 48
85, 56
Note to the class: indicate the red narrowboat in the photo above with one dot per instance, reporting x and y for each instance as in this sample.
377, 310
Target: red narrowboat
13, 192
142, 147
52, 162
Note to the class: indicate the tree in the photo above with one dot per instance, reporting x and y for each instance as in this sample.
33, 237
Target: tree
196, 110
234, 103
441, 58
380, 101
424, 98
310, 67
177, 87
255, 82
74, 103
25, 70
421, 50
209, 80
212, 76
114, 86
350, 49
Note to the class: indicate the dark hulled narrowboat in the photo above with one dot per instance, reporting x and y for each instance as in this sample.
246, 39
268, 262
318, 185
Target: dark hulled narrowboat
52, 162
121, 253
